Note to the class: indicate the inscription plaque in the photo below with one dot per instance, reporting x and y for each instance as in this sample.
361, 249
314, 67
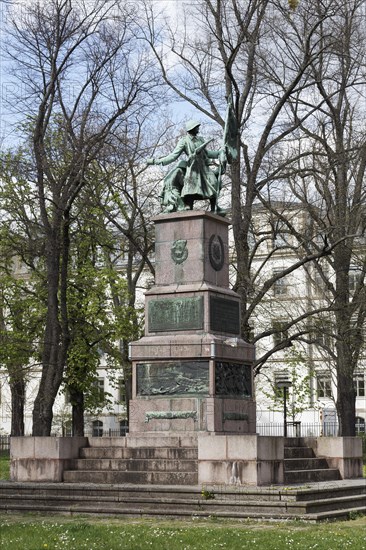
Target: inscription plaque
171, 314
233, 379
173, 378
224, 315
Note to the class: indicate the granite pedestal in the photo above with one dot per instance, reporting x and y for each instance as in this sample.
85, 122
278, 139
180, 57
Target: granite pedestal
192, 372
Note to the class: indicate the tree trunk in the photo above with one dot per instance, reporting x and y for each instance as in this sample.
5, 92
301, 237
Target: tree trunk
346, 404
17, 389
53, 356
345, 346
240, 222
77, 403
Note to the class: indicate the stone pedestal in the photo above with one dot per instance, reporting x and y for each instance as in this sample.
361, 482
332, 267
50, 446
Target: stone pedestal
233, 459
192, 372
43, 458
344, 453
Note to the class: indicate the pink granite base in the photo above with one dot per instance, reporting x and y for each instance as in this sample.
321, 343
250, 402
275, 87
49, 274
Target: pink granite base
192, 414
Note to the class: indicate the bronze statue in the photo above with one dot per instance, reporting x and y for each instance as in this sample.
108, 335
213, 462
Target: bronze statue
194, 179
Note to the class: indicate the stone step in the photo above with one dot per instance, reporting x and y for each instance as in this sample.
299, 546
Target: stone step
308, 493
152, 478
178, 501
311, 476
181, 453
212, 507
135, 464
340, 503
305, 464
298, 452
154, 511
151, 505
295, 442
119, 492
339, 514
141, 440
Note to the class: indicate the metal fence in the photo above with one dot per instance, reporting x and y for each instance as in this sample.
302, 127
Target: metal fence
4, 444
299, 429
100, 432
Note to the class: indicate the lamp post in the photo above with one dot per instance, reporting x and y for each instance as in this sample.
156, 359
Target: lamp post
285, 384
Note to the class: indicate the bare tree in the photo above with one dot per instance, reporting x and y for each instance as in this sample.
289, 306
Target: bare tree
83, 72
247, 52
295, 76
129, 200
329, 181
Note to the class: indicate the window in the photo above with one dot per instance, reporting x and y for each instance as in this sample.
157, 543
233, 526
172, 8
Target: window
359, 385
355, 277
360, 425
66, 428
280, 234
323, 386
323, 333
280, 333
280, 286
123, 427
67, 397
121, 390
97, 428
99, 387
319, 285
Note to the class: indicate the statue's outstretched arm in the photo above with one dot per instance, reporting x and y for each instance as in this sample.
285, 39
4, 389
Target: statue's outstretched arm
180, 148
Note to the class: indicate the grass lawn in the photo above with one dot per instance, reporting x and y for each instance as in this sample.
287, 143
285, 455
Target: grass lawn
53, 533
36, 532
4, 468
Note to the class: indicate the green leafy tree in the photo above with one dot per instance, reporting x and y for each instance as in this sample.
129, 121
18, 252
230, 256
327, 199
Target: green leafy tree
84, 71
20, 329
97, 322
299, 393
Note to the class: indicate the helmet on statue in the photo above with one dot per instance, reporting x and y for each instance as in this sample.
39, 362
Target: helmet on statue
191, 124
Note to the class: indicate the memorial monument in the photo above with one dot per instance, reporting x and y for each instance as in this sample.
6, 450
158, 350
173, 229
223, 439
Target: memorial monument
192, 372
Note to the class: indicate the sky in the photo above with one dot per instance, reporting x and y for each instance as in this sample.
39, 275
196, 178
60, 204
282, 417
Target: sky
8, 119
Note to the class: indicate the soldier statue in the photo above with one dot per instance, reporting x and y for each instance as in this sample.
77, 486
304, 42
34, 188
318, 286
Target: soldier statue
194, 179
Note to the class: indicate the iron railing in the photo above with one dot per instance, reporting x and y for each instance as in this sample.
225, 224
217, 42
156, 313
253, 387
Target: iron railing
299, 429
4, 444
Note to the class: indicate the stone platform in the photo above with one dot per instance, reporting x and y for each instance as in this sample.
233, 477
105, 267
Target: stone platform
185, 459
192, 413
311, 502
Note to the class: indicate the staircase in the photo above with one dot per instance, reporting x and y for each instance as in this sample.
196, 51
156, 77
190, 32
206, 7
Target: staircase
157, 476
314, 502
137, 460
302, 466
141, 462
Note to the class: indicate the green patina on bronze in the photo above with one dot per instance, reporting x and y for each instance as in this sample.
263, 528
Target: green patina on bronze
170, 415
233, 379
172, 314
173, 378
179, 251
235, 416
194, 178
